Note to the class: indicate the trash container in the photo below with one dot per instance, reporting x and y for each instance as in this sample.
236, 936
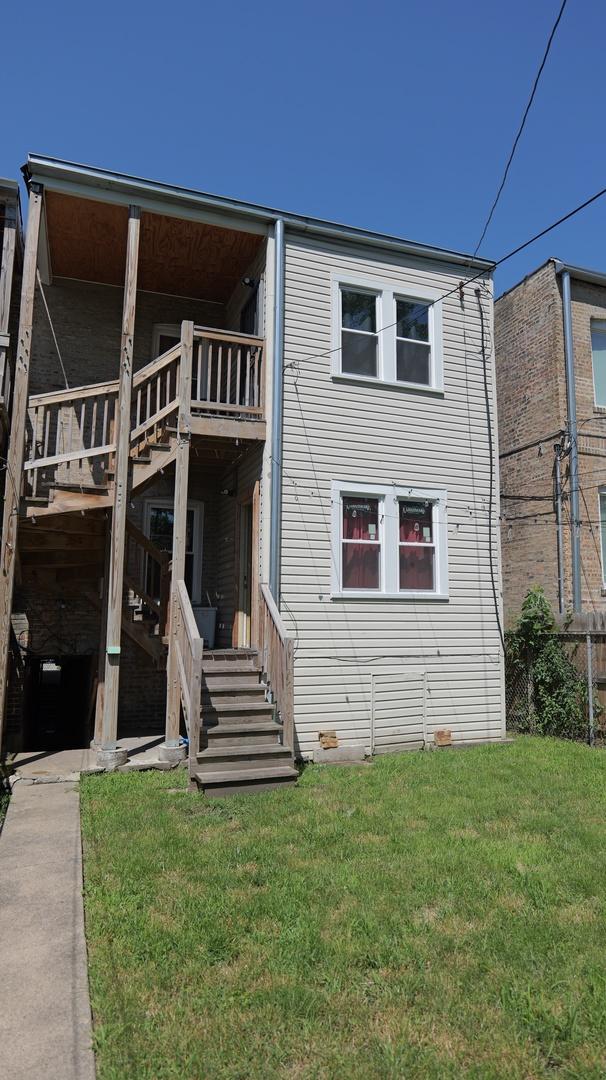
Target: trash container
206, 621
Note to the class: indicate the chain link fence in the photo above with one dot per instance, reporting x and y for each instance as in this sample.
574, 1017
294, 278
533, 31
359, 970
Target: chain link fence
560, 692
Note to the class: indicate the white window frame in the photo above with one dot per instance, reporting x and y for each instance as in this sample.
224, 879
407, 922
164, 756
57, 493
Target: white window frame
389, 495
600, 326
387, 292
198, 511
602, 495
163, 330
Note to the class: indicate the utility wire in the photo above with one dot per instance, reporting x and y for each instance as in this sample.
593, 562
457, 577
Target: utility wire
490, 468
522, 125
459, 288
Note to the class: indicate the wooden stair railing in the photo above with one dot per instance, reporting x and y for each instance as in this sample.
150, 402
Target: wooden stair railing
227, 374
70, 438
276, 647
188, 646
147, 574
155, 399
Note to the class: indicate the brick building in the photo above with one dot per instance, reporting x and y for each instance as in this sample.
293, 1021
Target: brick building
547, 418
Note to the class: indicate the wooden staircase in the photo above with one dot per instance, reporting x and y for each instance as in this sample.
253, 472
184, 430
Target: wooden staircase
241, 741
237, 705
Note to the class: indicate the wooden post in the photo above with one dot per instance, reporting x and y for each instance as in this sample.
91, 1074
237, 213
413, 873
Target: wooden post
16, 446
109, 755
98, 732
9, 247
171, 749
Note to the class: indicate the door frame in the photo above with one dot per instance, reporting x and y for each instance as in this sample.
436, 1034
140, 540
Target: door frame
197, 506
249, 497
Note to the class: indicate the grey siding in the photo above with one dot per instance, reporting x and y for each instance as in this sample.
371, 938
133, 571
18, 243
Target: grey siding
359, 433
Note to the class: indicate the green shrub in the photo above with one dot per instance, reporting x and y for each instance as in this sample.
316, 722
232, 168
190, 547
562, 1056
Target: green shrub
547, 691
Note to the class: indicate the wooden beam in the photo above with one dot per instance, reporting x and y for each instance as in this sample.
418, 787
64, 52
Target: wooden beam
7, 265
68, 502
225, 428
173, 696
116, 569
100, 701
16, 446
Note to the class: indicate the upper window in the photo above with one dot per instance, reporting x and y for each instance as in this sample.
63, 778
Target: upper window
359, 342
598, 352
388, 541
384, 334
413, 351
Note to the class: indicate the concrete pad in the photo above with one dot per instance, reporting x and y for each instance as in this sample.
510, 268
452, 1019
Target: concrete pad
67, 765
45, 1019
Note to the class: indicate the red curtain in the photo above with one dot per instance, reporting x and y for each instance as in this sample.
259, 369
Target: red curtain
361, 562
416, 528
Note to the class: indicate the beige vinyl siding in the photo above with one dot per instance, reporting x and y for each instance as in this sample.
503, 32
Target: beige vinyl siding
376, 434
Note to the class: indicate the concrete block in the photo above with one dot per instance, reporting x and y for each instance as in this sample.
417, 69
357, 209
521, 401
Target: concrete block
340, 755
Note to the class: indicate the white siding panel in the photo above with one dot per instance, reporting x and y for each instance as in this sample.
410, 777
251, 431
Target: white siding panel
339, 430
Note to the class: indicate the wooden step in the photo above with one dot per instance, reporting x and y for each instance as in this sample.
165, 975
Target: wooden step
229, 667
216, 758
84, 489
259, 733
240, 710
243, 781
226, 692
238, 677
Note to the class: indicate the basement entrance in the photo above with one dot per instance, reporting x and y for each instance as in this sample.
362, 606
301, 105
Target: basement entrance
58, 703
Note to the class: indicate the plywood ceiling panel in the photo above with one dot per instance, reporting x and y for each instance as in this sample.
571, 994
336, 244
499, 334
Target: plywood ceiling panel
87, 241
191, 258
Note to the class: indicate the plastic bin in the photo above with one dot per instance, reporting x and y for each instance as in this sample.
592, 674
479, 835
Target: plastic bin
206, 621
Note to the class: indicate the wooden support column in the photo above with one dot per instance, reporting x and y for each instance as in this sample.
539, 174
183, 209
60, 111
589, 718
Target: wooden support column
16, 446
7, 264
171, 748
109, 755
98, 732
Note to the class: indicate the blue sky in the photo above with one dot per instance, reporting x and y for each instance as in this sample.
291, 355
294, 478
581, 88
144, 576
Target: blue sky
396, 116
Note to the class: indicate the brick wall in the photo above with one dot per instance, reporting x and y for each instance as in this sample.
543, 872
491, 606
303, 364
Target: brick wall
531, 397
87, 320
531, 406
589, 302
55, 622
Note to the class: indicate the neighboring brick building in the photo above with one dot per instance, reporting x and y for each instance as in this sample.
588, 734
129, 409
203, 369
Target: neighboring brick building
533, 412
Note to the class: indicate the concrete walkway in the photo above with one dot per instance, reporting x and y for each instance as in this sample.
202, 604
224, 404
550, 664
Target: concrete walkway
45, 1020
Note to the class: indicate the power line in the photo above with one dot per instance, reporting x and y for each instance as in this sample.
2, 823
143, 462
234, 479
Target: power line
522, 125
469, 281
490, 468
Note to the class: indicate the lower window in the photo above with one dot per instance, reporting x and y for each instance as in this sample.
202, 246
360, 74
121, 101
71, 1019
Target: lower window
389, 541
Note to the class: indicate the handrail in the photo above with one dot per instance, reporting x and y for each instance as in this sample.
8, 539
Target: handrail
188, 646
277, 647
228, 335
139, 549
156, 365
74, 394
283, 633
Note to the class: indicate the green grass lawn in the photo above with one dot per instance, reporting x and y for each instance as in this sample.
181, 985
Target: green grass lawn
430, 915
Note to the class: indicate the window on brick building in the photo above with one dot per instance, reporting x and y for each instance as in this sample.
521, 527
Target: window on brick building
598, 354
602, 497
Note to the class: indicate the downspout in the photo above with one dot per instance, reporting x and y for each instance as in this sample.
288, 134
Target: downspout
571, 403
277, 398
559, 538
